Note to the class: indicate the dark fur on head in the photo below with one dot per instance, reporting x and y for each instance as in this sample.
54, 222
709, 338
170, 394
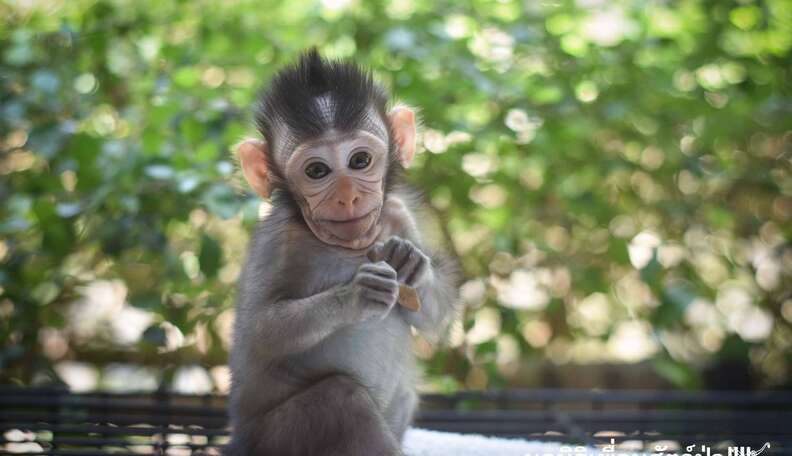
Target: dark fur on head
290, 101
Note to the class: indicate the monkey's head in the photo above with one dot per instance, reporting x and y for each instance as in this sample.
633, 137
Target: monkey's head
330, 143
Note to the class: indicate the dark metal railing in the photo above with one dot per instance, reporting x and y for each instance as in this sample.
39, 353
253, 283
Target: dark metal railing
59, 422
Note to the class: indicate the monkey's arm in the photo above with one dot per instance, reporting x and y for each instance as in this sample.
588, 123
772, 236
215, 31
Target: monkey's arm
294, 325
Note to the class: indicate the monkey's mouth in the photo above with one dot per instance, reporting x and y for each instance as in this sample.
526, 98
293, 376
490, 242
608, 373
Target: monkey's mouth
352, 228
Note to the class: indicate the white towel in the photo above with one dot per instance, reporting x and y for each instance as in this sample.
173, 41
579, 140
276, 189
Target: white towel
420, 442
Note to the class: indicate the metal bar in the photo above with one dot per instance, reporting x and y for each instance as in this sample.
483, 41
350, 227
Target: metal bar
110, 430
94, 423
753, 398
96, 403
763, 397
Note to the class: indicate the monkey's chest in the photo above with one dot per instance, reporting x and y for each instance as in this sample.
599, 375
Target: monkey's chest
375, 353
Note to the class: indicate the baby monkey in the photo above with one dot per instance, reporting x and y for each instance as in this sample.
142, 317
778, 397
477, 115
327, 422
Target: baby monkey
321, 361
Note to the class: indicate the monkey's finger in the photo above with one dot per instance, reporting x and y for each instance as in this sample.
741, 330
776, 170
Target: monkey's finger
375, 282
379, 276
405, 253
379, 267
376, 252
418, 272
408, 271
390, 247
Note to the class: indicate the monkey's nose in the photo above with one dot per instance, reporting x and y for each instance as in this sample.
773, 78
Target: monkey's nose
348, 200
346, 194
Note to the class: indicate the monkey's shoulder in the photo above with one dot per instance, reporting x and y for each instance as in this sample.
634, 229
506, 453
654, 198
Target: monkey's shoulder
281, 228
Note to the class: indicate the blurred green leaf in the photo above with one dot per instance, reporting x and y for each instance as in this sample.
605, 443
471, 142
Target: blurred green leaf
601, 169
679, 374
210, 257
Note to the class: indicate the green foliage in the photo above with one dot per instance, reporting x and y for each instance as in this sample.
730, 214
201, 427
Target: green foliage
614, 176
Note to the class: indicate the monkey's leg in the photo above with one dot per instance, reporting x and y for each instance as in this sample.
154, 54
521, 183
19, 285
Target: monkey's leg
400, 411
333, 417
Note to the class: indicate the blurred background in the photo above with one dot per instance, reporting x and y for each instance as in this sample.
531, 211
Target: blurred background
614, 177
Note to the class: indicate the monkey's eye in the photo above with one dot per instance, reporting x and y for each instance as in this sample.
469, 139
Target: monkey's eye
360, 160
317, 170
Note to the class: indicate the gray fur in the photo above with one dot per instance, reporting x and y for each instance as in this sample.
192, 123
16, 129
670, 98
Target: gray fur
321, 361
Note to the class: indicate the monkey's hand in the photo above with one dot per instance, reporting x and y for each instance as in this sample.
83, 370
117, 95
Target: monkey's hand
373, 291
412, 266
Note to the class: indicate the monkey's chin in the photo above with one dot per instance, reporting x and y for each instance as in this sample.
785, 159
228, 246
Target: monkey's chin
355, 234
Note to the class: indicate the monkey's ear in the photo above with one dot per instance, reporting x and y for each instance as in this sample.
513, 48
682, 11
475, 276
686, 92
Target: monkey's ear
402, 121
252, 157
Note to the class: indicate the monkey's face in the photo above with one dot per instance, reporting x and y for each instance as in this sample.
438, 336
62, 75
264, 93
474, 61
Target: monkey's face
338, 183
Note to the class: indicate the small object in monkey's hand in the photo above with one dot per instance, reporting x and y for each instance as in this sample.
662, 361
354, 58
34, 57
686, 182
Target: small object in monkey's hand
408, 298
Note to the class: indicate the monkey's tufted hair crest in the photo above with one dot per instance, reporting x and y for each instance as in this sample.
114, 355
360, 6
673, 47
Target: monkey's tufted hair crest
316, 95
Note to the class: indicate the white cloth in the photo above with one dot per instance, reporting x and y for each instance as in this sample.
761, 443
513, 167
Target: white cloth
421, 442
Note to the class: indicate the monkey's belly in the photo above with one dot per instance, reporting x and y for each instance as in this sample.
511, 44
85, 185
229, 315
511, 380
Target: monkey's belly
377, 354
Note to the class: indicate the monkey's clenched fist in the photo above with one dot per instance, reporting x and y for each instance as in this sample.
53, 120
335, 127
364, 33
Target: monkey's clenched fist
412, 266
373, 291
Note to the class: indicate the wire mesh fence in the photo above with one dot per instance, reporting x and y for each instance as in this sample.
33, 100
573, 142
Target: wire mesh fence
58, 422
